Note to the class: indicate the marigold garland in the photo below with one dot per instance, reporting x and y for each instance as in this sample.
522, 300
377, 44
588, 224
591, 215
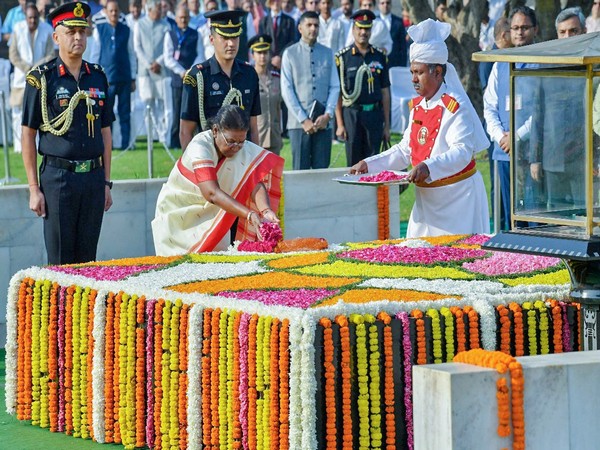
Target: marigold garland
502, 363
119, 312
224, 403
183, 375
22, 348
69, 346
206, 374
421, 342
43, 355
528, 308
473, 316
383, 212
35, 353
150, 435
388, 381
274, 381
214, 376
329, 385
236, 428
252, 382
374, 383
518, 328
284, 384
165, 406
362, 377
461, 338
557, 326
544, 327
90, 362
504, 343
407, 364
53, 358
158, 381
345, 370
436, 332
140, 377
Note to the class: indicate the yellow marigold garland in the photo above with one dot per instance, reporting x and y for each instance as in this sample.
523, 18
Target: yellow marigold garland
448, 332
183, 376
374, 383
173, 371
544, 327
166, 376
159, 391
436, 332
362, 378
43, 355
223, 376
531, 327
81, 354
214, 376
35, 353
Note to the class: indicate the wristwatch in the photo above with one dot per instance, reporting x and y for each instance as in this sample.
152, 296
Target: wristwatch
108, 183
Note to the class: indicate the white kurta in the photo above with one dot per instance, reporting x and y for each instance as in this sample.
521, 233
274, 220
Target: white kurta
459, 208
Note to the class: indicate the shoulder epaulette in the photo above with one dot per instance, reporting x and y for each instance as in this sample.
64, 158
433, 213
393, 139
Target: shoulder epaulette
414, 102
342, 51
380, 50
35, 74
96, 67
450, 102
190, 78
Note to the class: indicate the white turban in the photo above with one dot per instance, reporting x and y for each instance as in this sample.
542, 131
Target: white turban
428, 42
429, 47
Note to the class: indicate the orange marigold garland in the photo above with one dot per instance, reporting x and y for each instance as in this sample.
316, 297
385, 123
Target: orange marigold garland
388, 381
421, 342
329, 385
518, 328
557, 326
53, 358
206, 371
502, 363
345, 369
474, 341
504, 319
284, 384
383, 212
22, 351
236, 429
461, 337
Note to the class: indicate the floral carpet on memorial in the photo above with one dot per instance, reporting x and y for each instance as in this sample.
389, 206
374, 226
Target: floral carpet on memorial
253, 351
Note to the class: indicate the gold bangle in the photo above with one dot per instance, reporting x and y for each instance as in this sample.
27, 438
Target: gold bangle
248, 216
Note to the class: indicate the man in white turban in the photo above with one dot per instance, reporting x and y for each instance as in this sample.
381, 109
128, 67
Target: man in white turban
440, 143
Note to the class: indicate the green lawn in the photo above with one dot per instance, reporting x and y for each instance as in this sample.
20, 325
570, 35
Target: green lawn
133, 164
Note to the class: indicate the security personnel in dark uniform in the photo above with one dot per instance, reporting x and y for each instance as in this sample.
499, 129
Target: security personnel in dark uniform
221, 80
66, 102
363, 110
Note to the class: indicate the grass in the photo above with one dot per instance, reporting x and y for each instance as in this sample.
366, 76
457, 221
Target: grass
133, 164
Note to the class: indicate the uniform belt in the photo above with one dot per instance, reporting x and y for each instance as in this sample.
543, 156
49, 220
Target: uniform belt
467, 172
366, 106
78, 166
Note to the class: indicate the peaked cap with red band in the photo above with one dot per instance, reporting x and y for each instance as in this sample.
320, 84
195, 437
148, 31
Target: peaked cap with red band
73, 14
363, 18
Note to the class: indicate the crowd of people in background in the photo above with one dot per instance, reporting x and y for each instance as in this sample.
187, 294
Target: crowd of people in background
147, 51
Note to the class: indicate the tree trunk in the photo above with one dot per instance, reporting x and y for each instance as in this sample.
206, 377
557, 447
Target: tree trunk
462, 42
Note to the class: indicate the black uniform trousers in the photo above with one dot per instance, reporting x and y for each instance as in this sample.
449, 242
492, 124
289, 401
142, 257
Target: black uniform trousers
74, 211
364, 130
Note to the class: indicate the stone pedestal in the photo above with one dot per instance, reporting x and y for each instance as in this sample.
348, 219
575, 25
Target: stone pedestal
455, 404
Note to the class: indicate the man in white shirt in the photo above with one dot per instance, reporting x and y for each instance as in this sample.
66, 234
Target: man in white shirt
31, 45
331, 30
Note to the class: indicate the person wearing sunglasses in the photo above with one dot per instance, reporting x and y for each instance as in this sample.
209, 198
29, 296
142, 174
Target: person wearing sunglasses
220, 190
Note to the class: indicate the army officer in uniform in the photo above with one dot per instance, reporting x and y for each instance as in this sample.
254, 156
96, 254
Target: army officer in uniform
363, 110
221, 80
66, 104
269, 122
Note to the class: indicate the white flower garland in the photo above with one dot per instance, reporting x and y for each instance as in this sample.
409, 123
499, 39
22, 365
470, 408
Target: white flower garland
11, 343
98, 399
194, 392
295, 414
308, 384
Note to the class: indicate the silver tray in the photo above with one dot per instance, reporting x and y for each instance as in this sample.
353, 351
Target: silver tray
353, 179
